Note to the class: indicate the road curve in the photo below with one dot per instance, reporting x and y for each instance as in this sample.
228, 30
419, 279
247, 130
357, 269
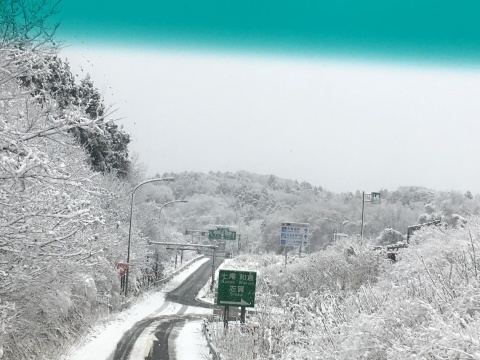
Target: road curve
162, 334
185, 294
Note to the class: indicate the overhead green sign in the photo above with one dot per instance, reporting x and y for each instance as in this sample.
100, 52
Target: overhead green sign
222, 233
215, 234
229, 235
236, 288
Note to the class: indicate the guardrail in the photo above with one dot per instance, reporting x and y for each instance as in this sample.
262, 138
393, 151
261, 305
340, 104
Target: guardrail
170, 276
208, 336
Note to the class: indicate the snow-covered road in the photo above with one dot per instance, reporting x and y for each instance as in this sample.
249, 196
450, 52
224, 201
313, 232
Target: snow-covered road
187, 340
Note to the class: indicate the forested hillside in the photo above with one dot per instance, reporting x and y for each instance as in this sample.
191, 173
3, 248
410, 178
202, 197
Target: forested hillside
257, 204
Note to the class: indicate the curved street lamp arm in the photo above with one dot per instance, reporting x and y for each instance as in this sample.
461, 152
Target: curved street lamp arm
170, 202
130, 225
151, 180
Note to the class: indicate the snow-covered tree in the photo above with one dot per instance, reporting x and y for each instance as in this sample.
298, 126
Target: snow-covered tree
27, 22
108, 149
55, 257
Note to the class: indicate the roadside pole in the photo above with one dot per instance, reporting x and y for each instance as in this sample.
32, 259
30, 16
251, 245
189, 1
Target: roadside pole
255, 339
213, 271
226, 314
363, 214
294, 234
374, 198
220, 233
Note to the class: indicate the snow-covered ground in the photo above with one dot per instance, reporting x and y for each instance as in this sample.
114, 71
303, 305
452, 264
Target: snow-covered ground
102, 340
191, 343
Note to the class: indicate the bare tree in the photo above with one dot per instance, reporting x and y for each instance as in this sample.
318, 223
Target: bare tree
27, 22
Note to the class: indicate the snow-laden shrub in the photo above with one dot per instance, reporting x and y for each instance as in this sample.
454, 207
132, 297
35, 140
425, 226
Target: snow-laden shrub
389, 236
305, 299
427, 305
424, 306
346, 265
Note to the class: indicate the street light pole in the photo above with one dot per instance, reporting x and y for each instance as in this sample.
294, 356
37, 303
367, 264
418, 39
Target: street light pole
130, 225
372, 198
363, 215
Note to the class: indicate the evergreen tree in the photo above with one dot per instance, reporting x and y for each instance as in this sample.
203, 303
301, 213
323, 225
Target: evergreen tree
108, 148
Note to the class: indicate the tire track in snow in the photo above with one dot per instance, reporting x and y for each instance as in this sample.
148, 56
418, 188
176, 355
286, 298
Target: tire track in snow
184, 295
126, 343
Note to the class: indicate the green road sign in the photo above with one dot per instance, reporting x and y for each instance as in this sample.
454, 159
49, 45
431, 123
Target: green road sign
222, 233
214, 234
229, 235
236, 288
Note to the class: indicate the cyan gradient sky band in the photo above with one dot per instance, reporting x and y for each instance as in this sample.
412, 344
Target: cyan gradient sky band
429, 30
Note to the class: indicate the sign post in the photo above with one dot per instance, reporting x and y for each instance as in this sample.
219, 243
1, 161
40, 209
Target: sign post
236, 288
373, 198
294, 234
123, 267
214, 234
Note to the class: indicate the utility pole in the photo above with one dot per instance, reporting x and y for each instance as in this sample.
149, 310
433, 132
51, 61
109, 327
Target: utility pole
212, 285
130, 225
374, 198
363, 214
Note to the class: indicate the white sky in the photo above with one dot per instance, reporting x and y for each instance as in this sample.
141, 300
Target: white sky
338, 124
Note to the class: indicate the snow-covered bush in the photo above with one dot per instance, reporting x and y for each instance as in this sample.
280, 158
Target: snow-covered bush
424, 306
389, 236
305, 298
345, 265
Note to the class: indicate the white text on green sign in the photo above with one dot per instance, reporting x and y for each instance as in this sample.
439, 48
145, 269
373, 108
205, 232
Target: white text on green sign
236, 288
222, 233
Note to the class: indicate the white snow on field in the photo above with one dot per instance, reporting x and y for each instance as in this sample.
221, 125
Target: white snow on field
101, 342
